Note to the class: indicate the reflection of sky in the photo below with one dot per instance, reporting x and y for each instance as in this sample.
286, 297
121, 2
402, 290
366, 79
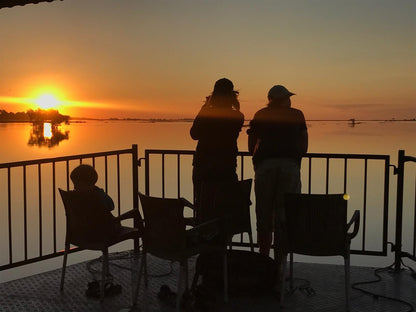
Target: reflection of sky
343, 59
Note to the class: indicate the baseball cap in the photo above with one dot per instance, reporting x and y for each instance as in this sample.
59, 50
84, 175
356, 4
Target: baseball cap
279, 92
223, 85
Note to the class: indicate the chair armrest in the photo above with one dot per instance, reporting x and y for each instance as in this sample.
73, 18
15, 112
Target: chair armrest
131, 214
190, 221
355, 219
207, 230
187, 203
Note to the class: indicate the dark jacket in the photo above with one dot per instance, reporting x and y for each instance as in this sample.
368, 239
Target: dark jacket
216, 130
277, 132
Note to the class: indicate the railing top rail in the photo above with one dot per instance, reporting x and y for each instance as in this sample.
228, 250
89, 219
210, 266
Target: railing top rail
357, 156
246, 153
163, 151
409, 158
63, 158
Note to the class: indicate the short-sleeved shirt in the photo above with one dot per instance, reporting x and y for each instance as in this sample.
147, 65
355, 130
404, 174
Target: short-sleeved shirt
216, 130
279, 132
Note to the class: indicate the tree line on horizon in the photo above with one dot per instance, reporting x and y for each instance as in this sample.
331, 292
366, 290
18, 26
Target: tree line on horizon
34, 116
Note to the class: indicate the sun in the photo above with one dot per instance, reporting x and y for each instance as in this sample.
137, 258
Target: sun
47, 101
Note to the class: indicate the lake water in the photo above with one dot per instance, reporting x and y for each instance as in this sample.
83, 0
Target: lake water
324, 137
21, 141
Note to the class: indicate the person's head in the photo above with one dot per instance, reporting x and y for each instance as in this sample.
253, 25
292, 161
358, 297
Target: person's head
84, 177
279, 96
224, 95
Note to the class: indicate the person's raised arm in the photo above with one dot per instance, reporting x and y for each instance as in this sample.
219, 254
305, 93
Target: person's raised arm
198, 124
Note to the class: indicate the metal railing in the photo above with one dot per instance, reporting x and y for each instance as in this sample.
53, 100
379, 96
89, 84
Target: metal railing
29, 192
320, 173
398, 248
33, 220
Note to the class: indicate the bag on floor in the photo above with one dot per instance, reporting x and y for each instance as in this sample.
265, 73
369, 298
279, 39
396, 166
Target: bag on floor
249, 273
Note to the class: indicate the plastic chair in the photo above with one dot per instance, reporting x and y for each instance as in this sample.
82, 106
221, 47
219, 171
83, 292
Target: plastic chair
90, 226
166, 237
316, 225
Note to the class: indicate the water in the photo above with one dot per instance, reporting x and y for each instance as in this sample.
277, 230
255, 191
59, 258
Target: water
375, 137
19, 142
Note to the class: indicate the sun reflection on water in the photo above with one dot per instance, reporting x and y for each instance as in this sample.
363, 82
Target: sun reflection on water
47, 130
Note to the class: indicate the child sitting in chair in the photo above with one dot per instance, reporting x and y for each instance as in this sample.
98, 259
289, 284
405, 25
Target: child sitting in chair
84, 178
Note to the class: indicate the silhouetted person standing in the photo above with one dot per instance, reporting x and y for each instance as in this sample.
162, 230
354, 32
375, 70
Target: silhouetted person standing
216, 127
277, 139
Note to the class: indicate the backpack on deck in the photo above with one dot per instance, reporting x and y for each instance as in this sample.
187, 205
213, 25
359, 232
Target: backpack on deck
249, 273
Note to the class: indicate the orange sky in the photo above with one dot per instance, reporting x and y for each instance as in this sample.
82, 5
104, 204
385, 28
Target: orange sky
102, 58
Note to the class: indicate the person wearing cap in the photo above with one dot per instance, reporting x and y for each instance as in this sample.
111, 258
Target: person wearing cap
277, 140
216, 128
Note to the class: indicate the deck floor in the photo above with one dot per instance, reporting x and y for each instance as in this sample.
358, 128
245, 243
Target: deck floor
41, 292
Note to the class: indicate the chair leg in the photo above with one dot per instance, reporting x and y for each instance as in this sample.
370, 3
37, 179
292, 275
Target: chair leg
104, 273
195, 279
186, 276
250, 237
181, 280
290, 270
145, 269
135, 293
347, 282
281, 273
64, 266
225, 267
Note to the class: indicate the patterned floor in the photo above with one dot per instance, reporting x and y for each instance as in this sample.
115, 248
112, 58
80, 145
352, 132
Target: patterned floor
318, 287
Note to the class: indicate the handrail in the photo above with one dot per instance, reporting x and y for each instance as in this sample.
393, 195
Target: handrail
64, 158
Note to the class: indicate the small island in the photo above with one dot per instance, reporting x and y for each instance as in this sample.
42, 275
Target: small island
34, 116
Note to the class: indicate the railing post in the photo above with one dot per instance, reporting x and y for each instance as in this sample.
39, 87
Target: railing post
147, 172
399, 211
135, 172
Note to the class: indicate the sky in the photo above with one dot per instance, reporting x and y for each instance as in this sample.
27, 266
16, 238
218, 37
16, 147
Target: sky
161, 58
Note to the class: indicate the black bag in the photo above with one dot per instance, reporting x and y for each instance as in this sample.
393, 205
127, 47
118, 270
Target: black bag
249, 273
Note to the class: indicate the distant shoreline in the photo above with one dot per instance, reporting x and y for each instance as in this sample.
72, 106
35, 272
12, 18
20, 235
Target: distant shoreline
151, 120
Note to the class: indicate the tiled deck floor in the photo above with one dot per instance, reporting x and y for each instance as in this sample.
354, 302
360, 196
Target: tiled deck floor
41, 292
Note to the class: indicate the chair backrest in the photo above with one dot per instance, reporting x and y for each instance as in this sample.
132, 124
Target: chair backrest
165, 229
316, 224
88, 223
227, 200
240, 220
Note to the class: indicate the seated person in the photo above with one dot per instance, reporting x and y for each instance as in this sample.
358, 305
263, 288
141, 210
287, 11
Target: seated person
84, 178
95, 206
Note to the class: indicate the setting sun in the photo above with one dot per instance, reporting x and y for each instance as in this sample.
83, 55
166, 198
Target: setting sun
47, 101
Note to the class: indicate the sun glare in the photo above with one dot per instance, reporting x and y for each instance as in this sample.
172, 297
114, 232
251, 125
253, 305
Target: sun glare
46, 101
